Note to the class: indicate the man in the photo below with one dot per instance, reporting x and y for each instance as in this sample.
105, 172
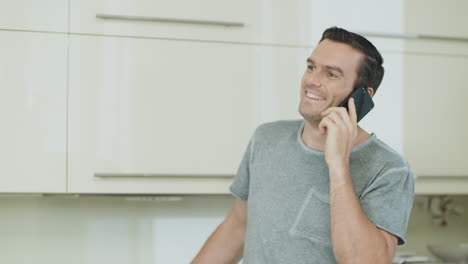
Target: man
319, 190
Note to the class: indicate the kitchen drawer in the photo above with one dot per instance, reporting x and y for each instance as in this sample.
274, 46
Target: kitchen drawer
147, 115
46, 15
260, 21
33, 88
83, 18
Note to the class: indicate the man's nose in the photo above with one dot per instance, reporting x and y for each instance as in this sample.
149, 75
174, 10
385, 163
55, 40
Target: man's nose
314, 78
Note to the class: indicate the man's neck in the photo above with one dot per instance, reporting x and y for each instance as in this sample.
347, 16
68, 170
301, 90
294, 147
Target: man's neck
312, 137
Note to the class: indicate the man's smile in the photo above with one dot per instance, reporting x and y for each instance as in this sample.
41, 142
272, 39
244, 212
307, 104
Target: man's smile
314, 96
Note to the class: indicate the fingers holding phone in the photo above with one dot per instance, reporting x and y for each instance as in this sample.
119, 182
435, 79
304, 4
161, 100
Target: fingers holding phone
362, 101
339, 124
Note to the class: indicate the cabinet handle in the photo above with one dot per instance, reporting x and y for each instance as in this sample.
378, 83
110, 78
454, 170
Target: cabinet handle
171, 20
411, 36
155, 175
447, 177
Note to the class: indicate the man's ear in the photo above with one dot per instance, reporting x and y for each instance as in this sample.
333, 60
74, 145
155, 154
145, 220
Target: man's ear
370, 90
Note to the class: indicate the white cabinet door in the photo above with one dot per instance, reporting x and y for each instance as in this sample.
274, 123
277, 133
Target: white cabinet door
435, 74
357, 15
436, 123
281, 22
280, 71
437, 17
44, 15
170, 109
33, 83
184, 18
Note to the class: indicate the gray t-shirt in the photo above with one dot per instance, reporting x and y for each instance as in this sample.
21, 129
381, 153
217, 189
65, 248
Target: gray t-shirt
286, 184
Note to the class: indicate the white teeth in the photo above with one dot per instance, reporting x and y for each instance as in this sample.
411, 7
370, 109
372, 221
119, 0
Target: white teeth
310, 95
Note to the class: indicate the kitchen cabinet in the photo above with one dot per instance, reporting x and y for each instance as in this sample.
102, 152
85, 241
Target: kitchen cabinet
163, 107
260, 21
436, 17
435, 76
121, 90
279, 74
435, 124
33, 109
46, 15
146, 115
83, 18
357, 16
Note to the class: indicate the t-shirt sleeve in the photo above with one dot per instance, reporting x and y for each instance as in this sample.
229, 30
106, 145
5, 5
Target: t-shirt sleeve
240, 187
388, 200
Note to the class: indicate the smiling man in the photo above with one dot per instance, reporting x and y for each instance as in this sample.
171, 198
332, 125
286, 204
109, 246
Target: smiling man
320, 189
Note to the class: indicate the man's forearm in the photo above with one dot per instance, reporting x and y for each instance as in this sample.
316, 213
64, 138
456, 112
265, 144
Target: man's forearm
355, 238
225, 245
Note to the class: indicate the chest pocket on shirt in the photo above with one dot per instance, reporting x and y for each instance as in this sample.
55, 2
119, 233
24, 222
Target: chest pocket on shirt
313, 220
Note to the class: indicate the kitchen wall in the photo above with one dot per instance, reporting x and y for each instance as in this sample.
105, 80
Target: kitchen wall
93, 229
70, 229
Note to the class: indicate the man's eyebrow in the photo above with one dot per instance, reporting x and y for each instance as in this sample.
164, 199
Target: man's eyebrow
335, 68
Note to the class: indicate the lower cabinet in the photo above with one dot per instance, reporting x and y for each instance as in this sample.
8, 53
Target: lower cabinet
33, 110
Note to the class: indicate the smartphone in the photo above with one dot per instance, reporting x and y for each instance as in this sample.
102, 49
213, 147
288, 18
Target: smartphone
362, 100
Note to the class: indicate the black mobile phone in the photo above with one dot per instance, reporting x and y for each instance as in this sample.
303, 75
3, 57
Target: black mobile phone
362, 100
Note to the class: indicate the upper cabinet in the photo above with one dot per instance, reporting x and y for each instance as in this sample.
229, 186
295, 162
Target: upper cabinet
279, 73
436, 127
165, 116
437, 17
182, 19
161, 91
281, 22
143, 110
357, 16
261, 21
435, 73
33, 110
46, 15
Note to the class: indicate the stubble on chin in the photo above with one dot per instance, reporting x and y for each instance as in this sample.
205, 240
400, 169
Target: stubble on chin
313, 120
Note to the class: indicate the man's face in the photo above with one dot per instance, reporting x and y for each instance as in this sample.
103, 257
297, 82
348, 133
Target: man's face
329, 78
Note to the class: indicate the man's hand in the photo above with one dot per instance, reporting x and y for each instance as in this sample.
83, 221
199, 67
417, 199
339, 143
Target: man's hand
341, 130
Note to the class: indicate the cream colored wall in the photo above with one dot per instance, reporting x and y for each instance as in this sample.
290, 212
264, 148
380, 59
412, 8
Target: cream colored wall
82, 230
88, 230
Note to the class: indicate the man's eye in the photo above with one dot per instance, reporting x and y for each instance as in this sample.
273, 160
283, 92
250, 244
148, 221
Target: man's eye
332, 75
311, 67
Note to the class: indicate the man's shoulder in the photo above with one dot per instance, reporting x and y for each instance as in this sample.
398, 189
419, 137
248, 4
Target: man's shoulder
386, 164
387, 151
387, 156
278, 129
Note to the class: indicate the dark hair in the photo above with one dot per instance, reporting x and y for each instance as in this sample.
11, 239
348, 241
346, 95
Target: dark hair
370, 72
